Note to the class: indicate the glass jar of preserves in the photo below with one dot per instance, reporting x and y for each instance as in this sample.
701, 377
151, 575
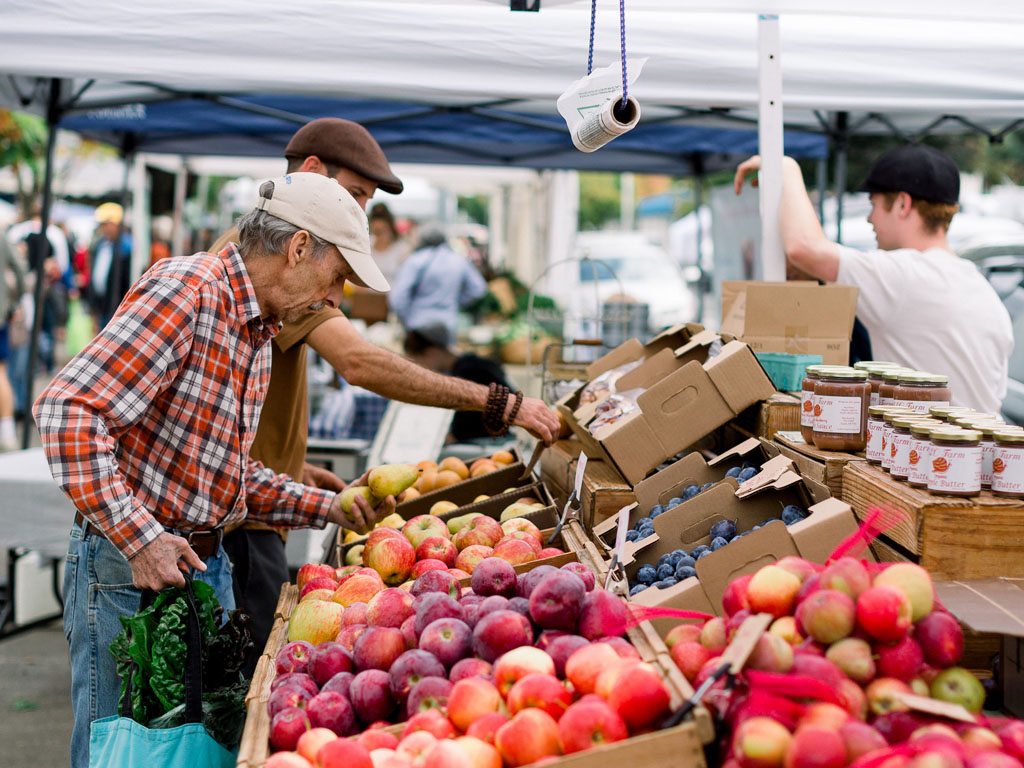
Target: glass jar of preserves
988, 446
841, 401
945, 411
1008, 464
921, 391
875, 371
865, 365
876, 426
955, 462
891, 412
963, 419
899, 461
919, 457
890, 379
807, 402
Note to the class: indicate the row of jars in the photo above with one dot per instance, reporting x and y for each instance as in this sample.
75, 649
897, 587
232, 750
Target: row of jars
835, 400
951, 451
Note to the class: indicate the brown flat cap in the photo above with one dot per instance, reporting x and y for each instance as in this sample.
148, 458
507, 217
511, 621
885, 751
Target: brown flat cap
344, 143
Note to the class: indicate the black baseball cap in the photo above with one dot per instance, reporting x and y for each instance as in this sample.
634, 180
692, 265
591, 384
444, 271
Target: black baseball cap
922, 172
347, 144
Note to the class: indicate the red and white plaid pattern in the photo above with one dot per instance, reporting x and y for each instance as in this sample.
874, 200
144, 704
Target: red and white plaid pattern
150, 426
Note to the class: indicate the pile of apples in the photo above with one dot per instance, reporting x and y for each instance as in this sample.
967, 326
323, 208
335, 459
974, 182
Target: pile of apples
426, 542
826, 680
514, 669
452, 470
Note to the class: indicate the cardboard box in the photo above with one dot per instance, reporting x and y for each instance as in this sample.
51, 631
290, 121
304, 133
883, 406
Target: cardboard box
632, 350
824, 466
796, 318
814, 538
994, 606
954, 538
686, 396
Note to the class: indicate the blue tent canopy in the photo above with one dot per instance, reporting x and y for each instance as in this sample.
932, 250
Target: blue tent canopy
261, 124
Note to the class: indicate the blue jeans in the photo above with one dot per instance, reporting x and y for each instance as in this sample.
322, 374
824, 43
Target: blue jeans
97, 589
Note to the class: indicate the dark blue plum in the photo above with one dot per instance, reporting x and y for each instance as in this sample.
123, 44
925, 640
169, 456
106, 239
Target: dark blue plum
638, 589
706, 486
642, 522
703, 554
750, 465
645, 533
632, 535
724, 528
666, 583
733, 472
675, 557
675, 501
685, 561
698, 551
793, 514
690, 491
685, 572
647, 574
718, 543
746, 474
769, 520
664, 571
657, 509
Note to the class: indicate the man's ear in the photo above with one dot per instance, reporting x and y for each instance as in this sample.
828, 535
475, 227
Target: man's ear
311, 164
904, 204
299, 246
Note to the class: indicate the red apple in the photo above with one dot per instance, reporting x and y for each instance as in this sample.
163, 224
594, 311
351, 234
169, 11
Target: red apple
814, 746
773, 590
450, 640
621, 646
915, 582
539, 690
422, 566
884, 613
515, 551
525, 526
770, 654
310, 742
734, 598
517, 664
300, 679
311, 571
761, 742
423, 527
521, 536
786, 628
827, 615
470, 556
445, 754
458, 573
416, 745
391, 557
341, 683
853, 656
500, 632
358, 588
371, 696
431, 606
348, 636
293, 657
436, 581
437, 548
584, 665
471, 699
941, 639
527, 581
852, 697
639, 695
690, 657
824, 714
355, 613
589, 724
557, 600
375, 738
343, 753
320, 582
528, 737
409, 668
482, 754
485, 727
327, 660
314, 621
584, 572
331, 710
494, 576
389, 608
484, 531
603, 614
802, 569
902, 660
860, 738
377, 648
469, 667
287, 726
561, 648
428, 693
433, 721
287, 697
847, 574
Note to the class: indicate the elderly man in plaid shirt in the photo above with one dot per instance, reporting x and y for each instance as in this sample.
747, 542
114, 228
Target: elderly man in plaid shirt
148, 429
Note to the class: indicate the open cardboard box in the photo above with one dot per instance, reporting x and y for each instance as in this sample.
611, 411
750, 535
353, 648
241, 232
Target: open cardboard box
814, 538
796, 318
995, 606
686, 396
692, 469
632, 350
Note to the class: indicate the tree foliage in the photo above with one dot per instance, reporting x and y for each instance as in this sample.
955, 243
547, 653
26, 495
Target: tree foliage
23, 148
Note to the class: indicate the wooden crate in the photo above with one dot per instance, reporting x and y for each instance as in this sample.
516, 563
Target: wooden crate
681, 746
824, 466
558, 468
605, 492
954, 538
778, 412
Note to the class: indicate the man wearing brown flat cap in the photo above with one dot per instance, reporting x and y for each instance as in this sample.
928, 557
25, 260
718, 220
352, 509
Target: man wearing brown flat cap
348, 153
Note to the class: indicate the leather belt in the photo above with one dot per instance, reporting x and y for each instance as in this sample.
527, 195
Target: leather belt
204, 543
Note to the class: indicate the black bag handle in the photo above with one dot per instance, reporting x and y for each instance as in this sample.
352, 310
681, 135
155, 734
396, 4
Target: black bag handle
193, 659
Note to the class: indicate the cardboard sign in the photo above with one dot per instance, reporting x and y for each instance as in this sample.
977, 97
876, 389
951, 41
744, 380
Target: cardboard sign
744, 640
581, 468
932, 706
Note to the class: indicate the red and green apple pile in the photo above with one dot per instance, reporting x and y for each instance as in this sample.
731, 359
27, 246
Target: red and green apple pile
826, 681
509, 671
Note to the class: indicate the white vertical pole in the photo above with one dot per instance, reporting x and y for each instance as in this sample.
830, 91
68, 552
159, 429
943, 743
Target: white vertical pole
769, 136
140, 216
627, 202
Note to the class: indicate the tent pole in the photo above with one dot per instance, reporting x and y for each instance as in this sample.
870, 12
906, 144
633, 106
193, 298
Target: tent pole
821, 171
40, 249
842, 144
698, 196
770, 145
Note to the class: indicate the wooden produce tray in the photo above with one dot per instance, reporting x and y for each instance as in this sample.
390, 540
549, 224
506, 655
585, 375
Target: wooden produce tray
677, 747
779, 412
954, 538
824, 466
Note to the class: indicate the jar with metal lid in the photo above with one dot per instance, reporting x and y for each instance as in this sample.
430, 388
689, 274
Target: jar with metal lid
963, 419
944, 411
891, 412
1008, 464
875, 371
988, 446
876, 426
807, 402
955, 462
920, 450
900, 456
864, 365
841, 400
890, 379
921, 391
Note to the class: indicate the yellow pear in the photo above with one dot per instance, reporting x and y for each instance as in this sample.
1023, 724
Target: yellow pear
394, 520
457, 523
349, 494
354, 556
516, 510
351, 536
440, 507
391, 479
481, 497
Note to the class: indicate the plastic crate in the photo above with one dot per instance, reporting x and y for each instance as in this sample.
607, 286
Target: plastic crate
786, 371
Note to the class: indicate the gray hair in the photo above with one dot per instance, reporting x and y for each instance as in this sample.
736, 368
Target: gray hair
261, 233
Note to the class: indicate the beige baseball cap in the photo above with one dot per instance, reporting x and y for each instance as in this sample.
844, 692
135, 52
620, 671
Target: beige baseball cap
322, 206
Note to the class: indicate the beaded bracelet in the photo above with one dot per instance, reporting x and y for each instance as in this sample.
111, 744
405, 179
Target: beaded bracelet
494, 411
515, 409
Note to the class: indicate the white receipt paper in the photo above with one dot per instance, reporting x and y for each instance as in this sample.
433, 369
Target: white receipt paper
589, 106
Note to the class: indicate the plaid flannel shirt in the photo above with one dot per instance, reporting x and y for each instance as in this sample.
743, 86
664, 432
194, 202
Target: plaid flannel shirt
150, 426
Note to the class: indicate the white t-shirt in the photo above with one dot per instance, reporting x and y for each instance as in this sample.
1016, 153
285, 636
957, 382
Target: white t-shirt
933, 311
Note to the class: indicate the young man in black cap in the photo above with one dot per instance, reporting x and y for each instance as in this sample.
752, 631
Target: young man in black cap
923, 306
346, 152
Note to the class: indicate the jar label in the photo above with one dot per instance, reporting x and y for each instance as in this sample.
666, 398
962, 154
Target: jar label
838, 415
920, 406
887, 446
900, 464
874, 399
876, 428
1008, 470
955, 468
885, 400
988, 455
807, 408
919, 460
